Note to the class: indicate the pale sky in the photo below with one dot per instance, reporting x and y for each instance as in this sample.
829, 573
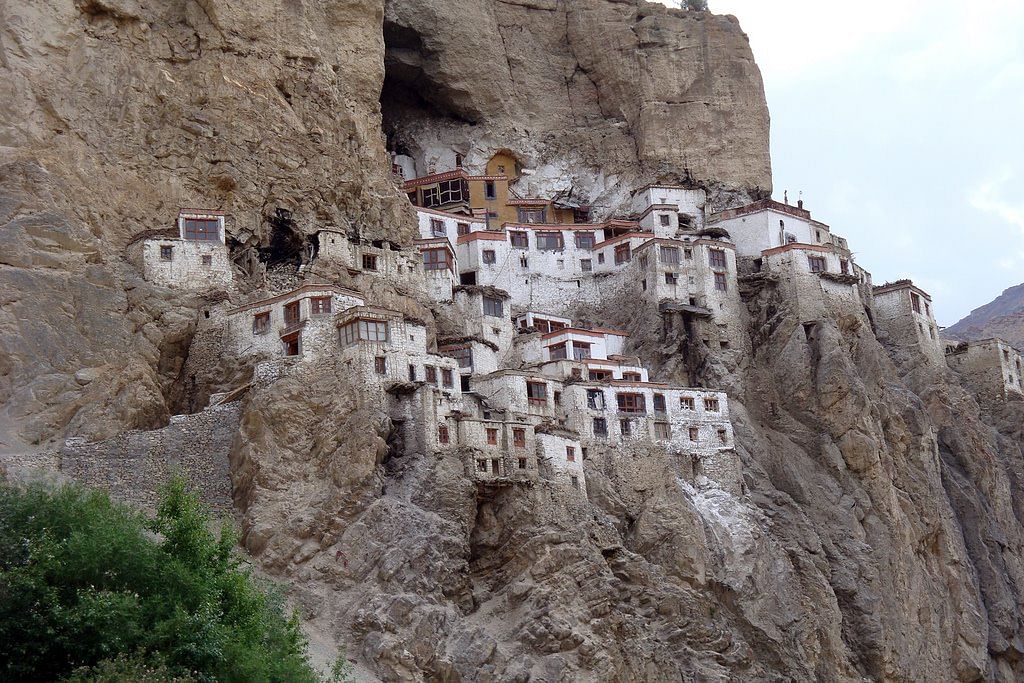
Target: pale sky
901, 124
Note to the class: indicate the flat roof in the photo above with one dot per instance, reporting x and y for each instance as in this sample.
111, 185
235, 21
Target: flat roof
297, 291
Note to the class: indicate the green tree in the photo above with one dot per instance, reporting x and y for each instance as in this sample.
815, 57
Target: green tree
90, 589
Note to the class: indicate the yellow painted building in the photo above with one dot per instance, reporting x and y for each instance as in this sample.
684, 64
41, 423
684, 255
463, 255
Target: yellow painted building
485, 196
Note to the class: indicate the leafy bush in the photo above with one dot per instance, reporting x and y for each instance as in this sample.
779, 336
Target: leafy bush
94, 591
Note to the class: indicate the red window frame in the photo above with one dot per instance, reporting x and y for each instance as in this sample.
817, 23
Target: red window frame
292, 313
261, 323
716, 258
320, 305
623, 253
537, 393
631, 403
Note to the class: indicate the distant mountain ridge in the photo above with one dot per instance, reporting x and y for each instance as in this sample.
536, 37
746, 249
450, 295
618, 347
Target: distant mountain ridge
1002, 317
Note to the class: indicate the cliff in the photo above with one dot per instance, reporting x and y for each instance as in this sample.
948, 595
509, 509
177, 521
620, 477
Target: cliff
594, 97
877, 533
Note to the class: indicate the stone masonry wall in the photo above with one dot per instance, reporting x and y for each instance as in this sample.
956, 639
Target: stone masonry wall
185, 268
131, 466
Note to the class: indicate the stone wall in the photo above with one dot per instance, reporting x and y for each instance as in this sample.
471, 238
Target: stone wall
133, 465
991, 368
906, 328
185, 268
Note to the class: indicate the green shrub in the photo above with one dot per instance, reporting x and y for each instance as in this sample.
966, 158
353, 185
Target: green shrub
90, 589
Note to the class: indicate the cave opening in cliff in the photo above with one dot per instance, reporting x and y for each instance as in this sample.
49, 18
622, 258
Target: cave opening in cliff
286, 241
411, 97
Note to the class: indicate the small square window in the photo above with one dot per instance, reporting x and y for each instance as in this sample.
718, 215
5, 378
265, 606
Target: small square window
575, 481
380, 365
519, 437
291, 313
662, 430
166, 253
669, 255
723, 436
437, 227
207, 260
600, 426
711, 404
489, 256
686, 403
431, 373
261, 323
671, 278
817, 264
462, 228
442, 434
320, 305
481, 465
720, 283
665, 220
446, 378
694, 434
369, 262
625, 427
522, 463
493, 307
586, 265
600, 257
537, 393
584, 240
492, 436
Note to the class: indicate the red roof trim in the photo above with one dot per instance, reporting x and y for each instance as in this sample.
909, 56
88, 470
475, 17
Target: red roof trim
487, 235
448, 214
798, 246
624, 236
304, 289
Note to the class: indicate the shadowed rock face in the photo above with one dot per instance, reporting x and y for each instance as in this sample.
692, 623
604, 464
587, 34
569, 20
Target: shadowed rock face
879, 535
599, 96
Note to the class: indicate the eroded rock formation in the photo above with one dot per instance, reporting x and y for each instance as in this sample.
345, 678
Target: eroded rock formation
878, 535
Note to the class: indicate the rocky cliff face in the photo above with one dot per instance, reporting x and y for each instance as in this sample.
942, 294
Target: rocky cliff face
879, 532
114, 114
596, 98
1002, 317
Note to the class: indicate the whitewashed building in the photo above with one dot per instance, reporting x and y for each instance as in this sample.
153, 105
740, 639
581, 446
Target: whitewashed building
196, 258
904, 312
767, 224
297, 323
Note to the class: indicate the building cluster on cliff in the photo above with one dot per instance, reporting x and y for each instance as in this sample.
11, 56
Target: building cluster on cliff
515, 389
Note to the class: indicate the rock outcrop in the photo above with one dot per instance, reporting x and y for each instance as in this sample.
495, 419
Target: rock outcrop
115, 114
596, 98
878, 533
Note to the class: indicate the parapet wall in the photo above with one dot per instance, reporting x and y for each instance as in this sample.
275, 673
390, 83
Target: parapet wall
132, 466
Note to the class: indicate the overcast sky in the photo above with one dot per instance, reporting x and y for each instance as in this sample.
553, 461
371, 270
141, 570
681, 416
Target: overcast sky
901, 123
